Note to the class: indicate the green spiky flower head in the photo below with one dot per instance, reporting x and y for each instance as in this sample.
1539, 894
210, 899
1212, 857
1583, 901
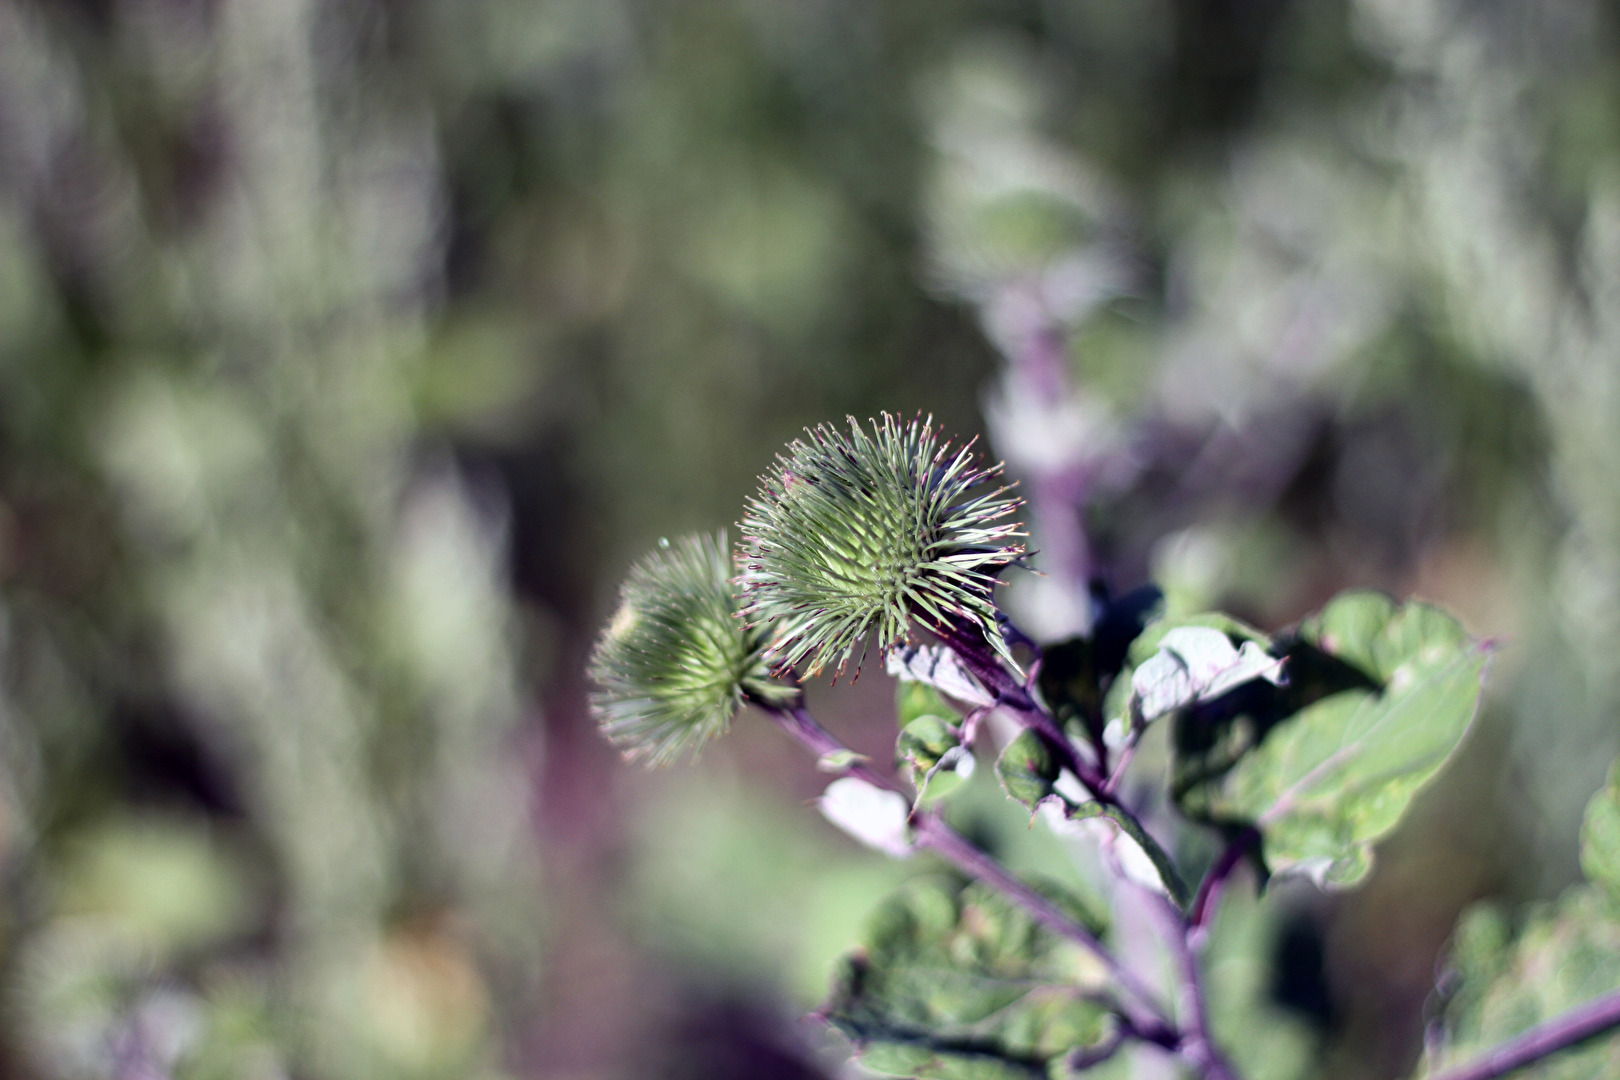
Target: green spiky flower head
676, 662
861, 534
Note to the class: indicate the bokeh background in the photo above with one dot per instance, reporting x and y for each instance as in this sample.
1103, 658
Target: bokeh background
351, 349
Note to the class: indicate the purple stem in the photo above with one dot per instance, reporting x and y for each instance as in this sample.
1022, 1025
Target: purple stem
1197, 1041
1575, 1026
1126, 754
1058, 494
968, 643
935, 834
797, 722
1209, 890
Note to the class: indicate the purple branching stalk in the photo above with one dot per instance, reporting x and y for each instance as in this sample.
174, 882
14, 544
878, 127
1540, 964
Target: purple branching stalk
1039, 359
1198, 1042
808, 732
1209, 891
1143, 1017
1127, 753
1576, 1026
933, 833
1147, 1017
1013, 696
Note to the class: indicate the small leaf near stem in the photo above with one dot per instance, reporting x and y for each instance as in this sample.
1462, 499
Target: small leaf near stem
1132, 828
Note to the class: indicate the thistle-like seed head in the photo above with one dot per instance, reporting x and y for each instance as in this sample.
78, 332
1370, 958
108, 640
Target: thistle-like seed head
676, 662
861, 533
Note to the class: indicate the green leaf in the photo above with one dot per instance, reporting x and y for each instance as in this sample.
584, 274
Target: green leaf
1028, 769
914, 699
1600, 837
945, 778
958, 983
923, 742
837, 761
930, 752
1329, 781
1567, 954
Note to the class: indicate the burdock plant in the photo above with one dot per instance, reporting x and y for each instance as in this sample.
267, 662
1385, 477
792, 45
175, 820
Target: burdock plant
676, 663
857, 536
1287, 755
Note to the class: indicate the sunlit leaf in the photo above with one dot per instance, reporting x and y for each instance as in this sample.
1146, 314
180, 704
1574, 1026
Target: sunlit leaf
1028, 769
1195, 664
1330, 780
957, 983
937, 667
876, 817
1119, 706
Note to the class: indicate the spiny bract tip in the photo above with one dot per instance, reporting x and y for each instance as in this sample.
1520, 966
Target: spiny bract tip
861, 532
676, 661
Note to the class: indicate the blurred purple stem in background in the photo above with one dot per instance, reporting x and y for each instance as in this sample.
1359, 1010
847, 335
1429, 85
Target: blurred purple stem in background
1038, 391
1574, 1027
